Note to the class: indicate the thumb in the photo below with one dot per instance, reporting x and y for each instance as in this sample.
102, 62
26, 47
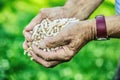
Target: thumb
56, 41
37, 19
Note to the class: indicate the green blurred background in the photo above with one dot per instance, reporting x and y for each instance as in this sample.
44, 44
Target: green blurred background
96, 61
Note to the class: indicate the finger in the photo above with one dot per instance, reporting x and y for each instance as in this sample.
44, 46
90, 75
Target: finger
25, 45
56, 41
27, 36
63, 54
43, 62
34, 22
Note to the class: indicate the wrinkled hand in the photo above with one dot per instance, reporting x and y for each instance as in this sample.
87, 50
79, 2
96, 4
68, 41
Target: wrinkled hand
72, 38
51, 13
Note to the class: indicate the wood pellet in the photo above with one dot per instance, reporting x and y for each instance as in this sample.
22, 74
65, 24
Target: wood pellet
48, 28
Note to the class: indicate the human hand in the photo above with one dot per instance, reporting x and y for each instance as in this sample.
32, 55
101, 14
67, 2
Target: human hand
50, 13
72, 8
72, 38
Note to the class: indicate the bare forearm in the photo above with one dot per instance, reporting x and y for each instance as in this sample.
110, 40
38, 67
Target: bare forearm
82, 8
113, 26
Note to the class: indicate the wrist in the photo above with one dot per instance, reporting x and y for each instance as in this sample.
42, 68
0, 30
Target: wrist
113, 26
71, 9
81, 9
87, 28
69, 4
91, 29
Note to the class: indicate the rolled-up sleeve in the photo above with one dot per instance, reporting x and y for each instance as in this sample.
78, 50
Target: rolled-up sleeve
117, 6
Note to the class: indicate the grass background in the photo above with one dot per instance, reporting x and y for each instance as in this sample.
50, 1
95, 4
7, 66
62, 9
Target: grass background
96, 61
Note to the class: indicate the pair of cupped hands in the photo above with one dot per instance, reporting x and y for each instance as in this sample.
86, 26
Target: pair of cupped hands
72, 37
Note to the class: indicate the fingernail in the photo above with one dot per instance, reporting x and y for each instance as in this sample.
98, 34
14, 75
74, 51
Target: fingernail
25, 46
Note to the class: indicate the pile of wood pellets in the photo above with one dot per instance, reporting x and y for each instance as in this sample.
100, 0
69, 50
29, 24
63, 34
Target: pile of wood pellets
48, 28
